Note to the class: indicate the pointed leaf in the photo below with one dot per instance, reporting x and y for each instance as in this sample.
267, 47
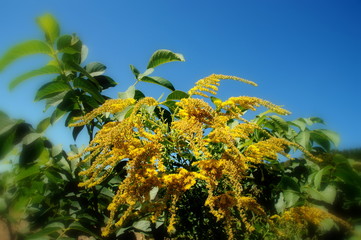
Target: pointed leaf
49, 69
95, 68
135, 71
332, 136
31, 137
138, 94
24, 49
88, 87
105, 81
127, 94
56, 115
69, 44
76, 131
177, 95
43, 125
158, 80
164, 56
50, 27
49, 89
148, 71
303, 138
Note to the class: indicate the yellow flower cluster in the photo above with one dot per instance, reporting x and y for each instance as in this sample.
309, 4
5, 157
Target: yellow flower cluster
238, 105
304, 215
210, 84
109, 106
200, 139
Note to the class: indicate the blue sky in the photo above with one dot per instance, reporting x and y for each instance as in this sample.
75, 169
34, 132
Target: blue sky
305, 55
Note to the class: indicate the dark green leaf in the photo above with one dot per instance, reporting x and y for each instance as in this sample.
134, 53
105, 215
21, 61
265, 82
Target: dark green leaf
138, 94
50, 27
73, 114
164, 56
50, 88
177, 95
49, 69
158, 80
79, 227
135, 71
105, 81
88, 87
31, 152
76, 131
24, 49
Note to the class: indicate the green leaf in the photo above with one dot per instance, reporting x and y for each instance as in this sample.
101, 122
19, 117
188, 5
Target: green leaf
28, 172
50, 27
79, 227
88, 87
76, 131
164, 56
49, 69
138, 94
303, 138
148, 72
56, 115
153, 193
158, 80
135, 71
56, 150
142, 225
177, 95
43, 125
319, 175
127, 94
105, 81
291, 198
280, 204
331, 135
95, 68
49, 89
24, 49
31, 137
6, 123
69, 44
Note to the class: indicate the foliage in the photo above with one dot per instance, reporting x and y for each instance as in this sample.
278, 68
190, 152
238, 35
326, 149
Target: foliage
189, 166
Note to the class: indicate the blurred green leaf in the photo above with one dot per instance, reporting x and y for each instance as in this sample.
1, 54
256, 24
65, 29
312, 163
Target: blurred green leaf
28, 172
43, 125
50, 26
24, 49
49, 69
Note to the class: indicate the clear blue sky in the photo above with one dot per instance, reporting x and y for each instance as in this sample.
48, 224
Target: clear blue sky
305, 55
